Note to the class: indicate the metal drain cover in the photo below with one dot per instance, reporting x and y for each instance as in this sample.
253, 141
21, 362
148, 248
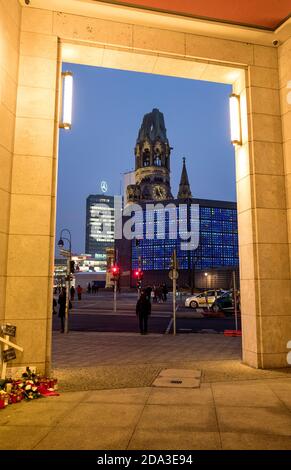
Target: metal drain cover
178, 378
181, 373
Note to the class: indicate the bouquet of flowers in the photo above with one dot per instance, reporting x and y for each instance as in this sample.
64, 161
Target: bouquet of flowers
29, 387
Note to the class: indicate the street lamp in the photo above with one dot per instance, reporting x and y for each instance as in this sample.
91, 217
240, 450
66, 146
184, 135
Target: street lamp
68, 255
60, 243
206, 293
206, 277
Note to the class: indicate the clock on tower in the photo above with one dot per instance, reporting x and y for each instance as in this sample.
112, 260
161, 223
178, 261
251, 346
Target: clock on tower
152, 161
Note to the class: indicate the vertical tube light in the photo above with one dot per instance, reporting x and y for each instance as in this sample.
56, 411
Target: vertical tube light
67, 88
235, 119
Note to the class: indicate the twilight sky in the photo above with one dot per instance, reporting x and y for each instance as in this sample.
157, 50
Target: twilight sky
108, 107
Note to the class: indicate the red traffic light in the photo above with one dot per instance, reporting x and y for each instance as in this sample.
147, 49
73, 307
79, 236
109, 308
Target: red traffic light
115, 270
138, 274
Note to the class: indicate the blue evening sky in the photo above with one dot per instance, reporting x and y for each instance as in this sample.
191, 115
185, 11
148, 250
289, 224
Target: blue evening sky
108, 107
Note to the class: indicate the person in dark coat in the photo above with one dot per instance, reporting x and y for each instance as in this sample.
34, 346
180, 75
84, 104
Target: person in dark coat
143, 310
79, 292
54, 306
160, 293
165, 292
62, 308
72, 293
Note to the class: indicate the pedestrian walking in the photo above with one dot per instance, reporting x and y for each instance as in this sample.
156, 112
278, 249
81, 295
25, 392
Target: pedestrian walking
160, 293
72, 292
155, 293
54, 306
62, 308
79, 292
143, 310
165, 292
89, 288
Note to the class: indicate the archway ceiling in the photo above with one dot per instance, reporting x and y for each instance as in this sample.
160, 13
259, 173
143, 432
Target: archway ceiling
267, 14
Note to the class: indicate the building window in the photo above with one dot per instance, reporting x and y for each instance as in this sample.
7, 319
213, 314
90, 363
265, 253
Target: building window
146, 158
157, 161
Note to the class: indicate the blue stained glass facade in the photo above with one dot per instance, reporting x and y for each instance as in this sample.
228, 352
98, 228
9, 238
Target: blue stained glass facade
218, 241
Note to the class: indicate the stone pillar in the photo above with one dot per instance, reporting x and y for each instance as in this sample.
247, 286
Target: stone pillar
262, 217
10, 16
284, 55
285, 98
33, 191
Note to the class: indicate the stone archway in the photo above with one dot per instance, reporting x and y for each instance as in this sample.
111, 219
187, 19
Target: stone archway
42, 39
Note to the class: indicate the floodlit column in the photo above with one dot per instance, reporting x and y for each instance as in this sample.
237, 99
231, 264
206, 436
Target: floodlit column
262, 217
10, 13
33, 189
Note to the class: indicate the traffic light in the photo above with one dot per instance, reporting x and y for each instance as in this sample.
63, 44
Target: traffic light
115, 270
138, 274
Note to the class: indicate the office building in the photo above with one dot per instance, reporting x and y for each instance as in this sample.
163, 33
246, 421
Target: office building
99, 227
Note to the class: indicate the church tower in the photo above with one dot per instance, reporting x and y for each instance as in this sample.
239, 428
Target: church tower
152, 161
184, 187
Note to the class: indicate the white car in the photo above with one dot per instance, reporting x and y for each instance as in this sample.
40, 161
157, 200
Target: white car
200, 300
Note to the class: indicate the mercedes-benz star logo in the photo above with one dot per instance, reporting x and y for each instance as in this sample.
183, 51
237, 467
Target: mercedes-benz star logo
104, 187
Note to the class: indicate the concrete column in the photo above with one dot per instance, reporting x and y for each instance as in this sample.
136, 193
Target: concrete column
263, 240
10, 16
285, 100
284, 54
33, 191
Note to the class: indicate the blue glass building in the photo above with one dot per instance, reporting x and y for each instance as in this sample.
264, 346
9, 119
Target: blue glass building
218, 241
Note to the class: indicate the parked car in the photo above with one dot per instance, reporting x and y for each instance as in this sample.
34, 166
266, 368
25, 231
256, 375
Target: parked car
225, 303
205, 299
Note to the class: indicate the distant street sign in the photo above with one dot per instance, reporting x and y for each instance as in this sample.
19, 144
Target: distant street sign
65, 253
173, 274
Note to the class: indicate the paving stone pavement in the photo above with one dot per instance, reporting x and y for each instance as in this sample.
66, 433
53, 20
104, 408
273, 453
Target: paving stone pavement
241, 415
114, 360
235, 407
128, 348
90, 361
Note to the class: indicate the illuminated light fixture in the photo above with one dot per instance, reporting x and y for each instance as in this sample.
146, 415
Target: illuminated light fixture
67, 88
235, 119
